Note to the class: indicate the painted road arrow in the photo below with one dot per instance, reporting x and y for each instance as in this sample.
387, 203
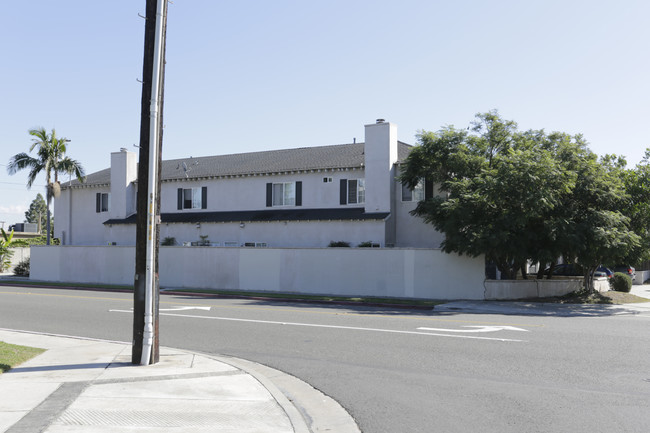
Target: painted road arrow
478, 329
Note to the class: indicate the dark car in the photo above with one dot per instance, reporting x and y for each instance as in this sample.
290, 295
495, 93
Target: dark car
572, 270
626, 269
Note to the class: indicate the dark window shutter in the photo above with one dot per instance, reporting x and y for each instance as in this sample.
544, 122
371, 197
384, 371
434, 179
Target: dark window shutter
269, 194
428, 189
98, 202
204, 197
180, 198
344, 191
298, 193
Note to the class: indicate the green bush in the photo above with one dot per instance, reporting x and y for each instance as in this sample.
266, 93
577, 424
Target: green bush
621, 282
339, 244
168, 241
22, 268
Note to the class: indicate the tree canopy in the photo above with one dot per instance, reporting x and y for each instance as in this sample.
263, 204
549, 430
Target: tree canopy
519, 196
37, 212
51, 159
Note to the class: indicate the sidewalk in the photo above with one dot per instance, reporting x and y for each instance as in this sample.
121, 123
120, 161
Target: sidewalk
550, 309
84, 385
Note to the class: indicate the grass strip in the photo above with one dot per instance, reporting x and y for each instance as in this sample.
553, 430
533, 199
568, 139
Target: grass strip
12, 355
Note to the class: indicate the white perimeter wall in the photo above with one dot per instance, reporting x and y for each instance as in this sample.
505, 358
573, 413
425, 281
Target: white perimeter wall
19, 255
411, 273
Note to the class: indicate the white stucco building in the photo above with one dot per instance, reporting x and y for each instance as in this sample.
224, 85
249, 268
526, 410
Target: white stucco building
305, 197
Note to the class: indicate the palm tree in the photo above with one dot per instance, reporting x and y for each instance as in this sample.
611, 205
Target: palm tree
51, 159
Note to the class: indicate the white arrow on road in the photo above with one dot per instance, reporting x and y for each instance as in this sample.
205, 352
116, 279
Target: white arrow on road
478, 329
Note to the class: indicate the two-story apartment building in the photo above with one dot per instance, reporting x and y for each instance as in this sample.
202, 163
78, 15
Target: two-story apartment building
305, 197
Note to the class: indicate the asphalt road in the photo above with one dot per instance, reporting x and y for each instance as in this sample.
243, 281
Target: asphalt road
462, 373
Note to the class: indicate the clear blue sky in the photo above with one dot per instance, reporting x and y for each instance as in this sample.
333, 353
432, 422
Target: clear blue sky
257, 75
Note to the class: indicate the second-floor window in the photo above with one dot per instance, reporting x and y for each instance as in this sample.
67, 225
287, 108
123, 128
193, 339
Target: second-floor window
102, 202
284, 194
192, 198
353, 191
415, 194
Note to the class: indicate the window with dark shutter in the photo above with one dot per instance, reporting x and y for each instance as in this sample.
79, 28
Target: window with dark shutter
299, 193
283, 193
102, 202
344, 191
269, 194
192, 198
428, 189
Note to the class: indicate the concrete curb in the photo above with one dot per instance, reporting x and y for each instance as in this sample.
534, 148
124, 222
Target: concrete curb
307, 409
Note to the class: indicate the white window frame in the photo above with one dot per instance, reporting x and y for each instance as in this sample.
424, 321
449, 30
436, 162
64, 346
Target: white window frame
415, 194
356, 191
105, 202
195, 198
283, 194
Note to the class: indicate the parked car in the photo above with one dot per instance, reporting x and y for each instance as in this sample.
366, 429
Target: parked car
626, 269
573, 270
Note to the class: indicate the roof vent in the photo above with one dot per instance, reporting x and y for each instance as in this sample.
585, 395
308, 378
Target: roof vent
381, 120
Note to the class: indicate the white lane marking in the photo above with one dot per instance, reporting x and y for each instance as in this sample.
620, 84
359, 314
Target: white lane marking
185, 308
172, 309
313, 325
478, 329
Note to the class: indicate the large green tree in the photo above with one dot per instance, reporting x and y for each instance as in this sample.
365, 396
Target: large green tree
50, 158
37, 212
518, 196
637, 207
599, 230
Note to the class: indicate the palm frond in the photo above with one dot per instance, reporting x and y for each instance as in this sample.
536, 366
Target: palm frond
21, 161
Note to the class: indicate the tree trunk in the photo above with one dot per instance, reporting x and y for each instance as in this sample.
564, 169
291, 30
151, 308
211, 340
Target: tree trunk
524, 271
550, 271
47, 224
589, 279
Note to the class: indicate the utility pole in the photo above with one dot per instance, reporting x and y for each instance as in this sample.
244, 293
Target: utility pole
145, 348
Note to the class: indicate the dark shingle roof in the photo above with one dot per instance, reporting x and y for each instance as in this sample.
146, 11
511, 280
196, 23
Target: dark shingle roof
272, 161
269, 215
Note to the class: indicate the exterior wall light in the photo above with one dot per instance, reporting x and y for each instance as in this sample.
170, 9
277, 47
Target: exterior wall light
242, 225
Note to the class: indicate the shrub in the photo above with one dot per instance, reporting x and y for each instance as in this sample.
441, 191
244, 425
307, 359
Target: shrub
339, 244
621, 282
22, 268
168, 241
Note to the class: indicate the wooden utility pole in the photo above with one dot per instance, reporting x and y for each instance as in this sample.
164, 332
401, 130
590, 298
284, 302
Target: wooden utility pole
148, 200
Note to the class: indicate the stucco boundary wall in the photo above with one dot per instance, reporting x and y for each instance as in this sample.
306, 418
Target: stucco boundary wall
533, 288
20, 254
401, 273
641, 277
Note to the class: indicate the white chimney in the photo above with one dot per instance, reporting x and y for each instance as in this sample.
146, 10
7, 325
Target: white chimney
380, 151
124, 170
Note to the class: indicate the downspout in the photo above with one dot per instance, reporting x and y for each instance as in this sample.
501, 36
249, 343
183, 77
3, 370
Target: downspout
147, 337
